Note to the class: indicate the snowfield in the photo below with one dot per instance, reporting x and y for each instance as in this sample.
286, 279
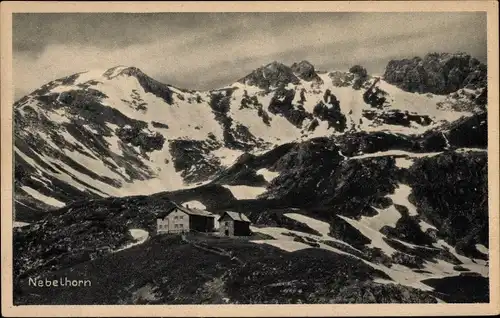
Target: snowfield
140, 236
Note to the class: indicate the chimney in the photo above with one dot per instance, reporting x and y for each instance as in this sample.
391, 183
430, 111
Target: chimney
187, 206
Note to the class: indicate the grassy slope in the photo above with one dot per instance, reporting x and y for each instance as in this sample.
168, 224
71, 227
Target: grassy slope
166, 270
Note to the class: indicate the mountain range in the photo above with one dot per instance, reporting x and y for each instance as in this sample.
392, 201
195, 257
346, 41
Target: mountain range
380, 178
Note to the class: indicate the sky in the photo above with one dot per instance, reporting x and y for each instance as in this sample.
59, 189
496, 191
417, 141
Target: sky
210, 50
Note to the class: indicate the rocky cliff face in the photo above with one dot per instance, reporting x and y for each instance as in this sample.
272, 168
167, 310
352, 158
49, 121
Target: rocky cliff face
271, 75
306, 71
438, 73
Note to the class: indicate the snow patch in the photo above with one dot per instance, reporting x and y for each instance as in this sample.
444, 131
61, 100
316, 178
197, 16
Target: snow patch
114, 144
424, 226
404, 163
19, 224
384, 217
396, 153
42, 198
400, 196
242, 192
322, 227
195, 204
267, 174
289, 246
482, 249
375, 236
140, 236
227, 156
58, 116
474, 265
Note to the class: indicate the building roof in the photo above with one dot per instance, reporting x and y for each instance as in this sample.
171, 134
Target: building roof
186, 210
237, 216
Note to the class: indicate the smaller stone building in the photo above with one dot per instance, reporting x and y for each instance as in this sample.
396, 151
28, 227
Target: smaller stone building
234, 224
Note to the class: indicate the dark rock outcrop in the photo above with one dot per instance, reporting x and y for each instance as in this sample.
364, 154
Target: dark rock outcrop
341, 79
410, 261
397, 117
149, 84
281, 103
329, 110
301, 169
471, 132
408, 229
374, 96
361, 76
253, 103
451, 191
305, 71
236, 136
461, 289
244, 170
314, 174
482, 99
194, 159
352, 144
342, 230
157, 124
438, 73
137, 136
466, 132
271, 75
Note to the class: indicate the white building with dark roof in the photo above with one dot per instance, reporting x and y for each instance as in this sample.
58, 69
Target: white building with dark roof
180, 219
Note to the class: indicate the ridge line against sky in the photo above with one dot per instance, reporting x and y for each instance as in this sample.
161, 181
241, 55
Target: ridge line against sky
210, 50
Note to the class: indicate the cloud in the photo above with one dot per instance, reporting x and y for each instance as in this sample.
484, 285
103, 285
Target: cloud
207, 50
